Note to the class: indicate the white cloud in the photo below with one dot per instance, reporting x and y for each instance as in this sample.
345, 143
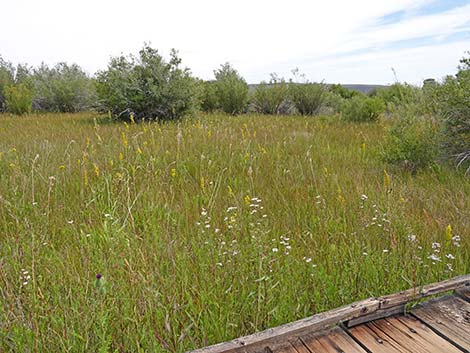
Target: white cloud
257, 36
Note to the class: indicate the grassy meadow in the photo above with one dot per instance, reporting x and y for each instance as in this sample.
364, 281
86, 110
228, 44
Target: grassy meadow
207, 229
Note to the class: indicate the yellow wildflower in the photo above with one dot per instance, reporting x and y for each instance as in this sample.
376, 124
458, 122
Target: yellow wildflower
247, 200
387, 181
448, 232
96, 169
203, 184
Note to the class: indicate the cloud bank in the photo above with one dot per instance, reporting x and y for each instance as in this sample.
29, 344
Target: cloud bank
335, 41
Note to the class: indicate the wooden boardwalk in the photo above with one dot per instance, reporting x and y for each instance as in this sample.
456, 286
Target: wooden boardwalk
441, 324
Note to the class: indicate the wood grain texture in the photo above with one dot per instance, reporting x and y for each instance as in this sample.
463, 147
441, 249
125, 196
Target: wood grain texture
336, 341
401, 334
450, 316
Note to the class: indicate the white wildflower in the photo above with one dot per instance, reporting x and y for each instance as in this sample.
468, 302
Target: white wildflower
434, 257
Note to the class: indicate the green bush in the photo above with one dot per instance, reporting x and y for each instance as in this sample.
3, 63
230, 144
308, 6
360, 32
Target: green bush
307, 97
362, 109
454, 109
342, 91
209, 99
147, 87
18, 98
231, 90
7, 75
332, 103
397, 94
272, 97
412, 142
63, 88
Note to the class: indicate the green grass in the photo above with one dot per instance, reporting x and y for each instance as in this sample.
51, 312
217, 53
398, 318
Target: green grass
319, 222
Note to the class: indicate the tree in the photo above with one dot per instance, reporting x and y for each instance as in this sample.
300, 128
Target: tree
231, 90
7, 76
147, 87
63, 88
454, 109
272, 97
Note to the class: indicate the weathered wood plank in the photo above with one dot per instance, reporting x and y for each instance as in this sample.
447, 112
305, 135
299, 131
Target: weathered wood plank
286, 347
336, 341
395, 303
450, 316
463, 293
299, 346
379, 314
423, 292
401, 334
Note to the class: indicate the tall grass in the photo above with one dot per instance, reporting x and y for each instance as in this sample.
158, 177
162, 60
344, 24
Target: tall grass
207, 229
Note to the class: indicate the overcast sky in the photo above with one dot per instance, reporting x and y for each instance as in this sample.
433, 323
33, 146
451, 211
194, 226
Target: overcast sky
356, 41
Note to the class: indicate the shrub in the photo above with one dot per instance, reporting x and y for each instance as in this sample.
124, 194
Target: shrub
63, 88
7, 74
362, 108
307, 97
342, 91
147, 87
231, 90
332, 103
398, 94
454, 109
272, 97
18, 98
412, 142
209, 100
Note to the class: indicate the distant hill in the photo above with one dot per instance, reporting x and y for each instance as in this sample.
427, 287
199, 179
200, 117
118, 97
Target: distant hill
363, 88
355, 87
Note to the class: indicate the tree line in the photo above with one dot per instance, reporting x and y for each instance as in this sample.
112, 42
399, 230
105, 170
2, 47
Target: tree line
427, 123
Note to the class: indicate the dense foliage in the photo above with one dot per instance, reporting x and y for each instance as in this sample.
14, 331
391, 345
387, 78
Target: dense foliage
7, 74
272, 97
231, 90
147, 87
63, 88
362, 108
412, 143
307, 97
209, 99
18, 98
454, 109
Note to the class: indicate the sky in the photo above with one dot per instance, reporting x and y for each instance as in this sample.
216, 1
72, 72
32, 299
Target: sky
334, 41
